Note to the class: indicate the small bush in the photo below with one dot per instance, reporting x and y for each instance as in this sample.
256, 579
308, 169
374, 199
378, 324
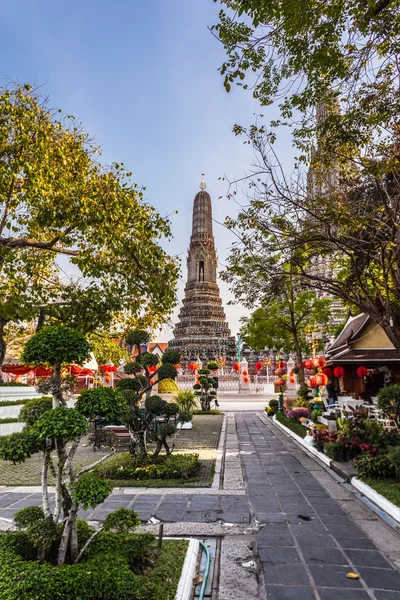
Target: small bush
34, 409
176, 466
293, 425
136, 383
375, 467
212, 411
302, 402
91, 491
394, 457
270, 410
335, 451
186, 400
389, 402
296, 415
273, 403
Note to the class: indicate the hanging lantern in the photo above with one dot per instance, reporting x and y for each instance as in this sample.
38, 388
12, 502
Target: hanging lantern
304, 364
258, 366
338, 371
193, 366
177, 366
246, 379
327, 371
309, 363
279, 372
152, 369
107, 378
236, 366
151, 381
320, 360
320, 379
280, 382
281, 364
311, 383
292, 380
362, 371
245, 373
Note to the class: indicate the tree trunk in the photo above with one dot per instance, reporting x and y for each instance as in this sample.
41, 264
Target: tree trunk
74, 533
3, 344
299, 358
137, 444
63, 548
45, 489
56, 381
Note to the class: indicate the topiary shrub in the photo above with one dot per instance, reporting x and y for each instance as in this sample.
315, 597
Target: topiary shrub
147, 359
171, 356
136, 384
102, 401
91, 491
132, 368
394, 458
137, 337
273, 403
166, 371
17, 447
33, 410
167, 386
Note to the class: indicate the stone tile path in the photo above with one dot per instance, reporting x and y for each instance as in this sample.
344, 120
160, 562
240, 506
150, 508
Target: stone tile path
308, 543
288, 529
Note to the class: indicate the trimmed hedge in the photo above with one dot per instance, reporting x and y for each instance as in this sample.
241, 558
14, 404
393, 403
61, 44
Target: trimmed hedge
114, 572
295, 427
19, 402
212, 411
10, 420
124, 466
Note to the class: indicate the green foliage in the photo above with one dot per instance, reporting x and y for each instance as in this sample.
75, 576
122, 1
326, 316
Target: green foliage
15, 402
19, 446
165, 430
175, 466
317, 412
137, 337
389, 402
105, 349
171, 356
102, 402
212, 365
184, 417
132, 368
171, 409
293, 425
12, 384
388, 488
155, 405
186, 400
122, 521
204, 371
166, 371
91, 491
61, 422
147, 359
114, 570
302, 402
33, 410
136, 383
394, 458
273, 403
197, 386
271, 410
56, 343
335, 451
375, 467
26, 517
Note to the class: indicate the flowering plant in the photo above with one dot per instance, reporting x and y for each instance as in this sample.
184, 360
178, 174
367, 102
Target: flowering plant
297, 414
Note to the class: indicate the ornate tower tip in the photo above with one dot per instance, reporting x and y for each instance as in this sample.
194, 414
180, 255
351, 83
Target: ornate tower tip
203, 183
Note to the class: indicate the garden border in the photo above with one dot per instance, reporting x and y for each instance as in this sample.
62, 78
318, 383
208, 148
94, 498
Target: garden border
380, 501
185, 584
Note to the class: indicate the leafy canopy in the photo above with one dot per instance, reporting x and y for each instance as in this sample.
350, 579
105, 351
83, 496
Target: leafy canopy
56, 343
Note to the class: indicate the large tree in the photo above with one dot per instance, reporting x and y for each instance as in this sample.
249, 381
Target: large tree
56, 199
284, 310
333, 69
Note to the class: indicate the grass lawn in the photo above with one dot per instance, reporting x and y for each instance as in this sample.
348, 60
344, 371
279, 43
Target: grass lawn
168, 568
389, 488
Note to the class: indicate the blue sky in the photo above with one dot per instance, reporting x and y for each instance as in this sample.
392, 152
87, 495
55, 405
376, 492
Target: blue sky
142, 77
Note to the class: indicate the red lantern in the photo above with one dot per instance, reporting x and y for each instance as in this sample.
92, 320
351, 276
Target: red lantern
327, 371
258, 366
311, 382
279, 372
309, 363
236, 366
280, 382
193, 366
177, 366
303, 364
320, 379
152, 369
245, 373
362, 371
246, 379
281, 364
321, 361
292, 380
338, 371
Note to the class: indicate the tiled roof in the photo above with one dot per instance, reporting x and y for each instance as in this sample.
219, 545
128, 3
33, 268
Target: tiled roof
351, 329
362, 355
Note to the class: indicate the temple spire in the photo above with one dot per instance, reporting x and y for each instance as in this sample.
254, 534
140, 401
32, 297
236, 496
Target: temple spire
203, 184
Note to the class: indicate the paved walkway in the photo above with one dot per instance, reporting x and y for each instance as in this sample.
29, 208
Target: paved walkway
289, 530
